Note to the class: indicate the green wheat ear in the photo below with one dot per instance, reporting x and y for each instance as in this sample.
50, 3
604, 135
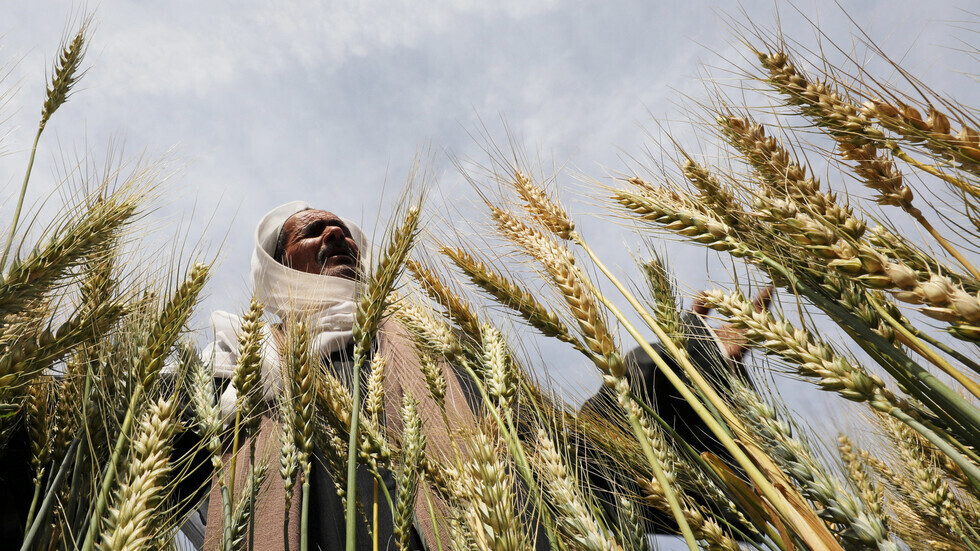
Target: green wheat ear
65, 74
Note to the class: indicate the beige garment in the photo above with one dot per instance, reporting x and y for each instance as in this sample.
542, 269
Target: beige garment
403, 376
270, 506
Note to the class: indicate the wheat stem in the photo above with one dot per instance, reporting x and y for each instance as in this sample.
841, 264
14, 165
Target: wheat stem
633, 414
20, 201
62, 80
49, 498
775, 498
367, 315
913, 342
946, 245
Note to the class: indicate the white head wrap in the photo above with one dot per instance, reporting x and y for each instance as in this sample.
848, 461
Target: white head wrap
285, 291
326, 302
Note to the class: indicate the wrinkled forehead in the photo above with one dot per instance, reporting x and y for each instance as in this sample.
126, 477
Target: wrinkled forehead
305, 217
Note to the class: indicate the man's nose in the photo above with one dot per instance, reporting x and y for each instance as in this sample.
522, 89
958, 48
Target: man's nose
333, 233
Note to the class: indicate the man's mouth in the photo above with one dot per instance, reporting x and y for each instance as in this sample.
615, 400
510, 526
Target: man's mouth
335, 252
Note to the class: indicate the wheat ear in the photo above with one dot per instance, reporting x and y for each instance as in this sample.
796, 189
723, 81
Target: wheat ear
408, 476
247, 378
862, 478
856, 528
560, 267
64, 76
28, 279
929, 491
130, 523
457, 307
22, 361
490, 491
511, 295
574, 516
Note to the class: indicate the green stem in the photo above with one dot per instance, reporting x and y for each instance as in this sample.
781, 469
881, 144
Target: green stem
234, 450
285, 529
435, 525
384, 489
110, 474
758, 478
950, 403
969, 469
352, 447
693, 455
20, 200
304, 523
34, 500
927, 352
665, 485
915, 378
959, 356
251, 496
49, 497
72, 509
229, 521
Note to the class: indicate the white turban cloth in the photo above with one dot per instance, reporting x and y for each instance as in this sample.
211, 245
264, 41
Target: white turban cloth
326, 302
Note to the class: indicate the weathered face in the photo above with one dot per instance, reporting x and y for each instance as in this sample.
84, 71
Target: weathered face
318, 242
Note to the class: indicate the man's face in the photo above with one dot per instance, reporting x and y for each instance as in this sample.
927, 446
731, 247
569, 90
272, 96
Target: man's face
318, 242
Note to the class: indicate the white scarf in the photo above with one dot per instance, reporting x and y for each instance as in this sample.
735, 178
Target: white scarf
326, 301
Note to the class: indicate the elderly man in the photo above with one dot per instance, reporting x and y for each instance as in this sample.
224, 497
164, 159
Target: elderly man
306, 263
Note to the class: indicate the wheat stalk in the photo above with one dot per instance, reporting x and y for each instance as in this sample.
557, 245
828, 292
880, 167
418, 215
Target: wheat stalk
63, 77
241, 519
576, 521
666, 306
408, 477
130, 524
856, 528
247, 378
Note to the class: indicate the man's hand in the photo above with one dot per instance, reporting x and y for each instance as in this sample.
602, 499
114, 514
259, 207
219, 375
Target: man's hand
732, 339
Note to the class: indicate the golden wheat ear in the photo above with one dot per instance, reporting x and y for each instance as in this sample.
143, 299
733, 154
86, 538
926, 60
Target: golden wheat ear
133, 520
247, 378
408, 477
510, 294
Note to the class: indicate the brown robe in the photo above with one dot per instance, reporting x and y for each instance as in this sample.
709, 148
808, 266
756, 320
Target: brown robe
403, 376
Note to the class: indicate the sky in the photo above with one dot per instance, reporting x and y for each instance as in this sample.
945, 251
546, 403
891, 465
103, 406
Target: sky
256, 103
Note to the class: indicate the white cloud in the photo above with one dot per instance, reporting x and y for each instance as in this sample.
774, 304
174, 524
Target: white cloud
206, 47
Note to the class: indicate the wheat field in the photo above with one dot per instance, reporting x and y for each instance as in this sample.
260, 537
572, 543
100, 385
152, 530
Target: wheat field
111, 432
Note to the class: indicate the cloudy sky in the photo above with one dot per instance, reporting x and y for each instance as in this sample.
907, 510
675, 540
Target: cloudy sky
259, 103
